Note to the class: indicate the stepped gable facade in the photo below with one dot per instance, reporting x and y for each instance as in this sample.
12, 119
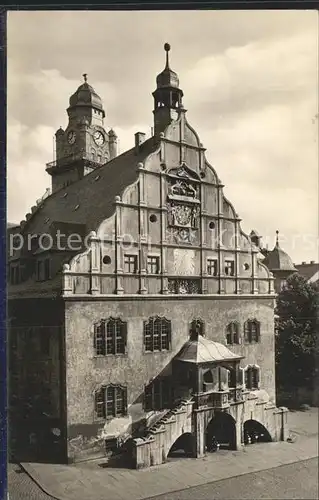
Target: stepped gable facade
100, 333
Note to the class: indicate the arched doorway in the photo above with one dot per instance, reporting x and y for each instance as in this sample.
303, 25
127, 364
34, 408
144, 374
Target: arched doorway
255, 432
221, 429
182, 447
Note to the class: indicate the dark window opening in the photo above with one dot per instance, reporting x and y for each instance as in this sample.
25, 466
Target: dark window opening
252, 377
158, 395
232, 334
252, 331
212, 268
229, 268
197, 328
43, 270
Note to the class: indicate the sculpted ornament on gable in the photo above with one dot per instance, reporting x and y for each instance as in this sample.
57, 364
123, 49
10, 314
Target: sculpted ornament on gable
182, 215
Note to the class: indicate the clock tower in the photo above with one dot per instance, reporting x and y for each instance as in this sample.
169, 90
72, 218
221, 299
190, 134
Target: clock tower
84, 144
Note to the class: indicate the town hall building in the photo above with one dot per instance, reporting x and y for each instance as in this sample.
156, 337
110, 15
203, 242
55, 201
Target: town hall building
141, 317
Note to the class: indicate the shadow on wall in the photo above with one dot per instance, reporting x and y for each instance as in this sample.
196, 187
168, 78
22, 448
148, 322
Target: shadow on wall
113, 439
36, 440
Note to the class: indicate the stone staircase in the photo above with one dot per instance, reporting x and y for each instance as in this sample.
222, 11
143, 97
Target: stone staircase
153, 448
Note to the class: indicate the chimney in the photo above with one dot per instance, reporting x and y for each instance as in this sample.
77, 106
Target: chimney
303, 263
312, 262
139, 139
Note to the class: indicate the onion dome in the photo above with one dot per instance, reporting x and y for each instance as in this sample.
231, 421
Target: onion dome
167, 78
278, 260
86, 96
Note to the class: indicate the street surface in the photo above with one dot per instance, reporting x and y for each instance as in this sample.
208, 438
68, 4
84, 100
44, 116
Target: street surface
298, 480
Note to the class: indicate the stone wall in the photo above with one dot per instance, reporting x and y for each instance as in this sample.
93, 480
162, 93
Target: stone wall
85, 372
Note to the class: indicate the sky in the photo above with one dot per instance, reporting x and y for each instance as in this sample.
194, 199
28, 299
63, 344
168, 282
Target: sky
250, 83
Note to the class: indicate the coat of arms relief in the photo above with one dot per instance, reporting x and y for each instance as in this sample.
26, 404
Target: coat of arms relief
183, 206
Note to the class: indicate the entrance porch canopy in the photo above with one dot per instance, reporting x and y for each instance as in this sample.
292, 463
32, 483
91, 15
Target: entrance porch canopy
203, 350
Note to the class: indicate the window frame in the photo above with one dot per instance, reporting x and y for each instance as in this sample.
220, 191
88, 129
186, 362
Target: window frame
252, 337
108, 404
150, 264
252, 377
232, 333
212, 265
14, 273
110, 332
229, 264
128, 262
154, 336
43, 273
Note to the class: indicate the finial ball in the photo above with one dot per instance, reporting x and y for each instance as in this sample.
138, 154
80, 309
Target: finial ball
167, 47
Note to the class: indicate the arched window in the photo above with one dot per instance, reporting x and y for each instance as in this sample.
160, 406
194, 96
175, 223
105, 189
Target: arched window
110, 401
197, 328
252, 377
232, 333
110, 337
252, 331
157, 334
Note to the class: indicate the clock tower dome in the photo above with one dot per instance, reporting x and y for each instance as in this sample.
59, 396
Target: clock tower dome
84, 144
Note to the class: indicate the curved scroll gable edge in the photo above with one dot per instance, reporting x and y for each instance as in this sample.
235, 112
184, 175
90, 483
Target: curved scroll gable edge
193, 130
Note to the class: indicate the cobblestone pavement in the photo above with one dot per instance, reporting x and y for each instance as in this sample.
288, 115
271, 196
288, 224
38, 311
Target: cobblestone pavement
294, 481
22, 487
298, 480
92, 481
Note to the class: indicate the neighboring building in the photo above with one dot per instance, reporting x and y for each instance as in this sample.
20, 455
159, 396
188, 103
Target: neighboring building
309, 270
277, 260
163, 326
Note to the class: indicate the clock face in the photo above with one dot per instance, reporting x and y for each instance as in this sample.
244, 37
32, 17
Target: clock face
71, 137
98, 138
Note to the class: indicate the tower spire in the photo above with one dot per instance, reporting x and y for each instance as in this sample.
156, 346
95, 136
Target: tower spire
277, 238
167, 48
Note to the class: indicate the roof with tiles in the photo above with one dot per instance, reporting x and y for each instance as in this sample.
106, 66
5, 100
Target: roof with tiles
90, 200
310, 271
278, 260
202, 350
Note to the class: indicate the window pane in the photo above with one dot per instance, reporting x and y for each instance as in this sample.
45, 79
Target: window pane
119, 401
99, 339
100, 403
110, 406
